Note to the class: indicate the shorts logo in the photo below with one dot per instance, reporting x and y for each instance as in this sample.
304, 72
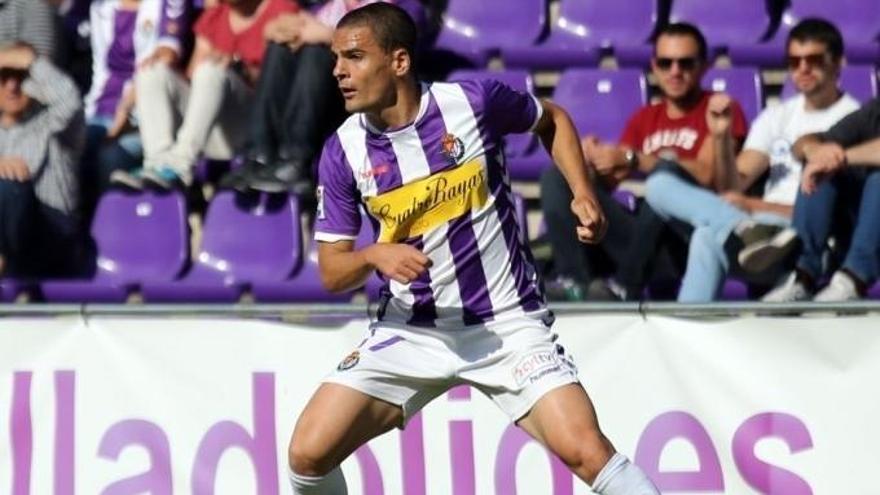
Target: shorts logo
452, 148
350, 361
533, 367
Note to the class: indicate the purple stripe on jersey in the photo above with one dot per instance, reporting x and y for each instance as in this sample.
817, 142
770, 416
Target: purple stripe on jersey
120, 62
386, 170
432, 130
472, 284
491, 143
386, 343
424, 310
521, 263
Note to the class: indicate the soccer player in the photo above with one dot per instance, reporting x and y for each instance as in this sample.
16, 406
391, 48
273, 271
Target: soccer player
463, 305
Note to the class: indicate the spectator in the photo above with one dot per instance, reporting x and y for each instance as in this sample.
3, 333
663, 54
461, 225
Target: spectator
32, 22
840, 176
297, 102
730, 222
41, 136
124, 34
674, 130
213, 105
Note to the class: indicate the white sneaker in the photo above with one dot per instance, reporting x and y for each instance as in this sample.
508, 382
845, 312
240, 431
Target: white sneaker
841, 288
789, 290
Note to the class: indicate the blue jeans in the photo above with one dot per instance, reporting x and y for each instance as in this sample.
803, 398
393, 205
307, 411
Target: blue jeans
673, 196
102, 157
851, 198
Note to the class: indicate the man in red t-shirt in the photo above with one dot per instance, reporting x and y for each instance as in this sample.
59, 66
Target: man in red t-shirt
206, 110
673, 132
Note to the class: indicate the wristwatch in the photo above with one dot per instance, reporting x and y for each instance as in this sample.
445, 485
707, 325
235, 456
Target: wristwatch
632, 158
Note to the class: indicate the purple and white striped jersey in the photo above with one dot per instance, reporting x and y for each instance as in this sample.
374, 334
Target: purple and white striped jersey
441, 185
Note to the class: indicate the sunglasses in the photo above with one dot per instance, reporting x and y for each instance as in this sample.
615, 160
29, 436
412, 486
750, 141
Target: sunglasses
7, 73
684, 63
813, 61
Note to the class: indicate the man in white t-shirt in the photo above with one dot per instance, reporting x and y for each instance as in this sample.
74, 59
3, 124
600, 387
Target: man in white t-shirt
730, 221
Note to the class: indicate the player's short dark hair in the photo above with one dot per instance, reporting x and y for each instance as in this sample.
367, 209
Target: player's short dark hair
684, 29
391, 25
818, 30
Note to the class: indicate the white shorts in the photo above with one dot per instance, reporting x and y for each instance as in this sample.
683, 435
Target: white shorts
514, 363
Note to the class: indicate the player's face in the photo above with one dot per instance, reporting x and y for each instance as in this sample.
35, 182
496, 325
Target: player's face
677, 65
811, 66
364, 71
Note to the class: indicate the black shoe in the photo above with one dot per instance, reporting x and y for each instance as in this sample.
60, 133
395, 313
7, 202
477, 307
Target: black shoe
241, 178
284, 176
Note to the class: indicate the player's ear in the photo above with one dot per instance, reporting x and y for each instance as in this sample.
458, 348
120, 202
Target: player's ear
401, 61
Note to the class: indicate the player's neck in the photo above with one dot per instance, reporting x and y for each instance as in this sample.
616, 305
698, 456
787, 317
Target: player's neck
400, 112
822, 99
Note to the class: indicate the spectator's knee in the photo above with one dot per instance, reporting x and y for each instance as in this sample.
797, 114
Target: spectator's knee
154, 76
210, 73
13, 188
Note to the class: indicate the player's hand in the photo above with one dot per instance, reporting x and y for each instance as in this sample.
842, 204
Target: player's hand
590, 217
719, 114
400, 262
15, 169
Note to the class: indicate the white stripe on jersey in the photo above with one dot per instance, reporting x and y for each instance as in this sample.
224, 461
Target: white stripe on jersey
444, 283
353, 139
411, 159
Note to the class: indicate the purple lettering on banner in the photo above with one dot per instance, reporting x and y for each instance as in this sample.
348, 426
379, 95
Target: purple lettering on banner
512, 442
669, 426
371, 475
158, 479
412, 449
228, 434
760, 475
461, 439
65, 421
461, 392
22, 433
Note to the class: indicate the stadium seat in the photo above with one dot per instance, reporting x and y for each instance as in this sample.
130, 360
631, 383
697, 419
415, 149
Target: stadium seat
742, 83
476, 30
10, 289
245, 238
601, 101
139, 237
724, 22
587, 28
860, 81
857, 20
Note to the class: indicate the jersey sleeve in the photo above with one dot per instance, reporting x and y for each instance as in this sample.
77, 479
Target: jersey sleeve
337, 217
507, 110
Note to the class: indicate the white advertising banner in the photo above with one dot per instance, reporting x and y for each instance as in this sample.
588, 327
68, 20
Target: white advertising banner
172, 406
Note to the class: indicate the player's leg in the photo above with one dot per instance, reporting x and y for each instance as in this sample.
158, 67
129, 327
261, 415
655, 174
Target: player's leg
565, 422
336, 421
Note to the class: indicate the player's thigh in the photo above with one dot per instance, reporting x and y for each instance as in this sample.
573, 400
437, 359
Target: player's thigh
565, 421
336, 421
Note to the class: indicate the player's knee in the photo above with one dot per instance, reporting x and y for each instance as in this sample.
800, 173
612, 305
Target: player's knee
306, 460
586, 454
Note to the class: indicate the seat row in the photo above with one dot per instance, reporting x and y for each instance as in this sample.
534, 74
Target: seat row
751, 32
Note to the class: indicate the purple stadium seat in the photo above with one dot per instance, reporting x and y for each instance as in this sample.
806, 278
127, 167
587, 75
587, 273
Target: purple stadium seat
245, 238
857, 20
139, 237
601, 101
734, 289
586, 28
477, 29
306, 285
10, 289
742, 83
860, 81
725, 23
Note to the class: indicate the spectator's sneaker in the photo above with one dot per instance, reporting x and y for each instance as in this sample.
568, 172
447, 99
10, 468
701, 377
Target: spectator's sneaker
240, 179
791, 289
841, 288
283, 176
564, 289
133, 180
765, 246
163, 178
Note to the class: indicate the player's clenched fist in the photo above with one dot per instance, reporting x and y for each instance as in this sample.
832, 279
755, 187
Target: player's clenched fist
400, 262
591, 220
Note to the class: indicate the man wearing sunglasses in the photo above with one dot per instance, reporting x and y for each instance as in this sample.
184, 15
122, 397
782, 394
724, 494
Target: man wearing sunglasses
674, 132
41, 136
839, 196
753, 230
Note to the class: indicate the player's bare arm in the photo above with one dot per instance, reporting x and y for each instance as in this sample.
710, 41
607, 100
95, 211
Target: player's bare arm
559, 136
344, 268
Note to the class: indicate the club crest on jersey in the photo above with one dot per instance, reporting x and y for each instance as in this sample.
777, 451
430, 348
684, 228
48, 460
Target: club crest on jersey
452, 148
350, 361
